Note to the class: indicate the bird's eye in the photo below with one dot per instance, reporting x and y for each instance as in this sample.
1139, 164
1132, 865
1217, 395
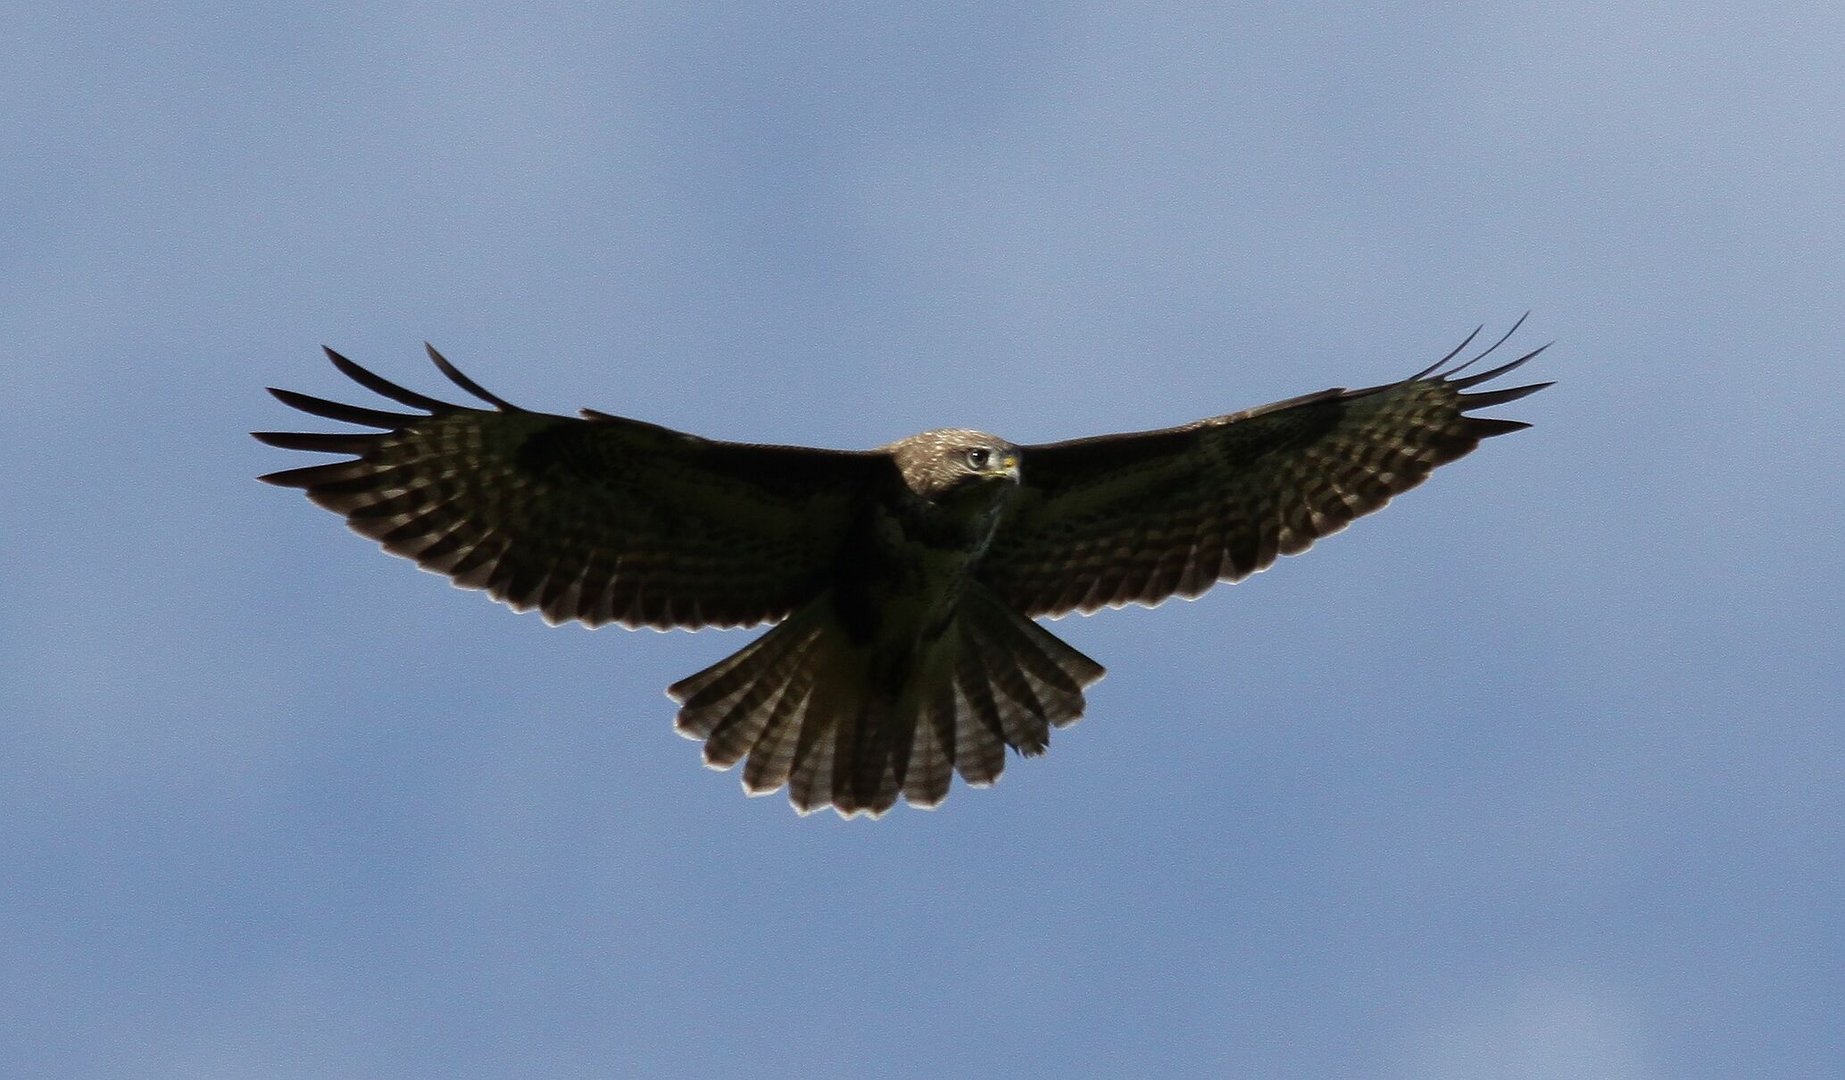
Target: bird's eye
979, 456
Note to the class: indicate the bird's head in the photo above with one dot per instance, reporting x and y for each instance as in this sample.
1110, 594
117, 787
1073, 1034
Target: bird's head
955, 462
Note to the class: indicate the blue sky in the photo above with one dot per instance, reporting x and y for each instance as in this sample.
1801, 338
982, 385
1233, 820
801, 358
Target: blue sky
1539, 773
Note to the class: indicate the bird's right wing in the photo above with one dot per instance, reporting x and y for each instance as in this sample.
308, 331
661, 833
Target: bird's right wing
1139, 517
599, 519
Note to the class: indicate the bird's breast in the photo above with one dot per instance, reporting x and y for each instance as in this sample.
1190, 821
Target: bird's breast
901, 573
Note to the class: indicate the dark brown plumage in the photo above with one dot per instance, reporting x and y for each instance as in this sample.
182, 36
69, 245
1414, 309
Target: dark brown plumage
905, 580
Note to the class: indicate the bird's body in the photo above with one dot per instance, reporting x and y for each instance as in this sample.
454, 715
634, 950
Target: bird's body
905, 580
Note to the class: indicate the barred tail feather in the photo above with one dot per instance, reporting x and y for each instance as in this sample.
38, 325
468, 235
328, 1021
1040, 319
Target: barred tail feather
800, 704
1034, 680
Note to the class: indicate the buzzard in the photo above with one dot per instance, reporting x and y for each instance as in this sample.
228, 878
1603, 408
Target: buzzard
904, 581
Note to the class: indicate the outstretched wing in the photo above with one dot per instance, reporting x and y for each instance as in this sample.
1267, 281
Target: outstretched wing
598, 519
1136, 518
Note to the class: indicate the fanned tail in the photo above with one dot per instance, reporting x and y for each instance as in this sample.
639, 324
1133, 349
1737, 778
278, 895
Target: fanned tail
801, 705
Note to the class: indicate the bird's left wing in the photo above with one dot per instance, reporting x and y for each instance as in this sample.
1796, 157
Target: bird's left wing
598, 519
1136, 518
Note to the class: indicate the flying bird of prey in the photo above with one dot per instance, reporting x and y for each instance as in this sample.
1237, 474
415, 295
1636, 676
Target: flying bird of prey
905, 581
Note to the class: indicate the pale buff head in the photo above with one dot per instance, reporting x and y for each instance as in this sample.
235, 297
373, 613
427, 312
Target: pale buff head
936, 463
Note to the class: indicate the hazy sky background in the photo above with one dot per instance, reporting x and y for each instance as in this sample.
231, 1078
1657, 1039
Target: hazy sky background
1539, 773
